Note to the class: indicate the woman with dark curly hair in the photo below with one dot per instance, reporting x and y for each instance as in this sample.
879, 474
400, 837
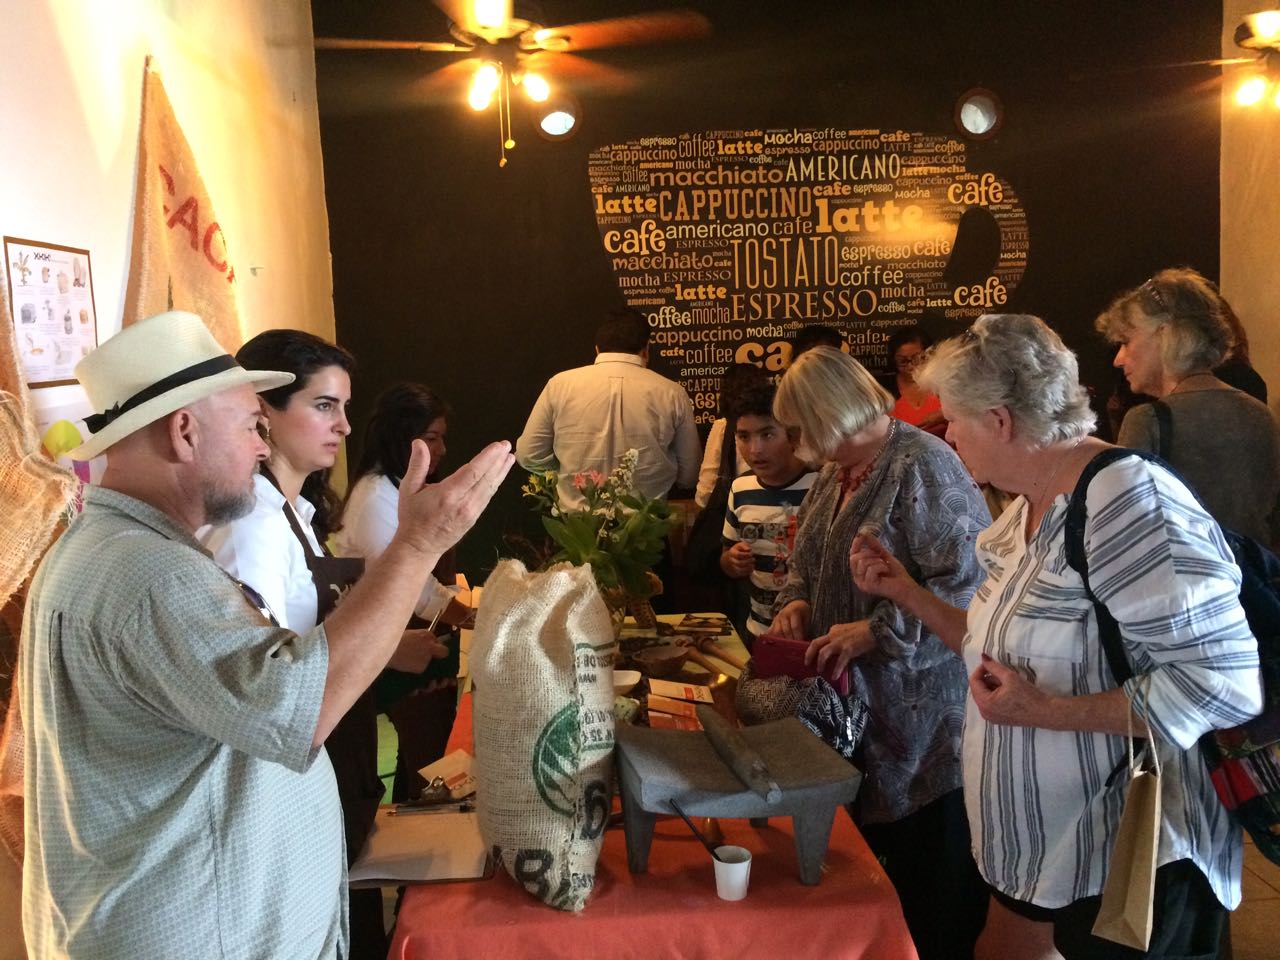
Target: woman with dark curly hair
279, 549
420, 707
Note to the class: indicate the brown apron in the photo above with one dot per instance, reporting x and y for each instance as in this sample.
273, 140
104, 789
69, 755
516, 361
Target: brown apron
352, 749
353, 744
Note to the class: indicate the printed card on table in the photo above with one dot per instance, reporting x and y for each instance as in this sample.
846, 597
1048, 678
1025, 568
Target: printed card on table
680, 691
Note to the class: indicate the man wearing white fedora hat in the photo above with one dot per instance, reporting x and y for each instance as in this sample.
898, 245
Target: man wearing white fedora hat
178, 796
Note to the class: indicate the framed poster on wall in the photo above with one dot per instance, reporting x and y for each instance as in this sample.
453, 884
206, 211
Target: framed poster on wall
51, 294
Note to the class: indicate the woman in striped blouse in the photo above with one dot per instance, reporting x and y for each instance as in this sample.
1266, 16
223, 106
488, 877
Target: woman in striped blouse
1045, 723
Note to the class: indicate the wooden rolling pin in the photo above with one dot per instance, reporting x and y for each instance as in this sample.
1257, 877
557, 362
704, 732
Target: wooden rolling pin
746, 764
702, 661
707, 644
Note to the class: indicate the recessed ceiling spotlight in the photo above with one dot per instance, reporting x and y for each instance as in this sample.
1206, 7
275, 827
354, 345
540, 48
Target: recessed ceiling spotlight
979, 114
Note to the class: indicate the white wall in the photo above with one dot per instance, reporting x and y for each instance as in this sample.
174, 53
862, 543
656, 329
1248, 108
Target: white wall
1250, 230
241, 77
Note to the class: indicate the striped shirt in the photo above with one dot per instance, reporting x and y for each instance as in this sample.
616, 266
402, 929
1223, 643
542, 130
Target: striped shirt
1042, 817
765, 517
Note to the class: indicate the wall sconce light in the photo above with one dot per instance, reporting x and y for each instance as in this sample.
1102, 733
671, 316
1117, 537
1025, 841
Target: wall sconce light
979, 114
1260, 31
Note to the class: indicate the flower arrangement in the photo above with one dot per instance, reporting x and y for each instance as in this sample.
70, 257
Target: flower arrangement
619, 532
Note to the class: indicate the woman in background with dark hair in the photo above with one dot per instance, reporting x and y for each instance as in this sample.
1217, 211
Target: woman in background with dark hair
736, 378
279, 550
913, 404
422, 710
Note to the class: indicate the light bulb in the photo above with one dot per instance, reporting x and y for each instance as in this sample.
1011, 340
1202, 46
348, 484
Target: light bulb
1251, 91
492, 13
558, 123
536, 87
1266, 25
487, 76
483, 86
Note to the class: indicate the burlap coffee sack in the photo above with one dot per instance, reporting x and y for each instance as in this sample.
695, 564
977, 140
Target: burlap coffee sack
179, 258
542, 661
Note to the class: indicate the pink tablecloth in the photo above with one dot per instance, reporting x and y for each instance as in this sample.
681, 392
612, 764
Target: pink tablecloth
673, 910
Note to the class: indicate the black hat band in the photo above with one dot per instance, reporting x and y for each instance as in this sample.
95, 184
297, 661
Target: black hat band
96, 422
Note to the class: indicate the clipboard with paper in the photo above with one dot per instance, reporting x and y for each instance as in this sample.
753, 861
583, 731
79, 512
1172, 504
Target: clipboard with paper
430, 846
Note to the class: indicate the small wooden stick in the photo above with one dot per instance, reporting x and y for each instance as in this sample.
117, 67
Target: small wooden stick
708, 645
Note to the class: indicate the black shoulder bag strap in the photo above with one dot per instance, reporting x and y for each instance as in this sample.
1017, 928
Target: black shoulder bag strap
1073, 535
1164, 428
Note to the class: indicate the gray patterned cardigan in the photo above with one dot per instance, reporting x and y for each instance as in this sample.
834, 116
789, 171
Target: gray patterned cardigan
926, 509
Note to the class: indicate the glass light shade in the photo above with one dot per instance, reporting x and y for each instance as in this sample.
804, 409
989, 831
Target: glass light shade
1251, 91
536, 87
491, 13
557, 123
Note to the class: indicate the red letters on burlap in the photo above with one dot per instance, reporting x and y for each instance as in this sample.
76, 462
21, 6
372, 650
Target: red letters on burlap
179, 259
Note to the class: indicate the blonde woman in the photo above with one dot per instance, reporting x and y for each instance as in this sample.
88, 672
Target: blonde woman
1173, 331
913, 490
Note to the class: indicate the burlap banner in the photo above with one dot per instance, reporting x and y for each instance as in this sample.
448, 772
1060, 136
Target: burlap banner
179, 258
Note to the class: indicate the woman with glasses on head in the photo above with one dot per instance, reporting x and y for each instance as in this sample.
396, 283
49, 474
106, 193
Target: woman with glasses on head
1172, 332
1046, 723
279, 550
913, 490
421, 708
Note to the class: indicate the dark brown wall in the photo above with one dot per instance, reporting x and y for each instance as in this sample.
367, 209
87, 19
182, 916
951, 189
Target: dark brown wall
483, 282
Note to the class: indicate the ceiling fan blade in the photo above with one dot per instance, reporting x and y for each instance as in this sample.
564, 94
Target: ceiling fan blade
447, 84
425, 46
1150, 67
666, 26
582, 74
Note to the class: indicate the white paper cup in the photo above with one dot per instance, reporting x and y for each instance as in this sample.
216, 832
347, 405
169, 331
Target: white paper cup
733, 870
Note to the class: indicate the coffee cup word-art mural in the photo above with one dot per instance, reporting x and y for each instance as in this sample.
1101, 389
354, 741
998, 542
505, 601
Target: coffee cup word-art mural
731, 240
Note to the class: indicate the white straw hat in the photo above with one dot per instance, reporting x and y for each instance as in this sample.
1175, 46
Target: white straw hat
150, 369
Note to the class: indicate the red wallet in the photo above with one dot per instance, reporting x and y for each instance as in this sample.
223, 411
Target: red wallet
775, 656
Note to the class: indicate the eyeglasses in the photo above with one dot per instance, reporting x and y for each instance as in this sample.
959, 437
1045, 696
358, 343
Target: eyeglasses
257, 601
1153, 291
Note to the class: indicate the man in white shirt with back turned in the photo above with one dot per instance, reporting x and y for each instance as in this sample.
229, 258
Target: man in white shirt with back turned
588, 417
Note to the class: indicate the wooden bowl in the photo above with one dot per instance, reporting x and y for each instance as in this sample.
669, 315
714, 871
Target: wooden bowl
661, 662
624, 681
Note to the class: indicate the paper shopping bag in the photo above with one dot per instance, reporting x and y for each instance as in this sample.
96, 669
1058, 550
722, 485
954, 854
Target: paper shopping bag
1126, 913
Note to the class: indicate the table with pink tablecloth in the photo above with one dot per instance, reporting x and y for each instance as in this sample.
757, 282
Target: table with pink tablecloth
673, 910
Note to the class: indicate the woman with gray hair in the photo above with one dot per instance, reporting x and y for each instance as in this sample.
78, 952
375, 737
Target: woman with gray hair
1045, 728
913, 490
1172, 332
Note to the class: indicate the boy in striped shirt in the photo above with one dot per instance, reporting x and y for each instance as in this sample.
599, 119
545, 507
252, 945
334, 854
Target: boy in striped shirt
760, 519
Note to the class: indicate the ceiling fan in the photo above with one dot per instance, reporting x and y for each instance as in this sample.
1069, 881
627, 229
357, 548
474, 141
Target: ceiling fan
505, 51
1258, 33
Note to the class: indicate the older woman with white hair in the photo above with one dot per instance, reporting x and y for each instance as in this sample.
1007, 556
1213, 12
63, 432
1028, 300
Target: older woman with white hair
913, 490
1173, 331
1045, 728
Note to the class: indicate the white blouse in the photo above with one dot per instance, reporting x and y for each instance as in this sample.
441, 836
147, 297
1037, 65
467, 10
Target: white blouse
262, 550
710, 468
369, 523
1042, 816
